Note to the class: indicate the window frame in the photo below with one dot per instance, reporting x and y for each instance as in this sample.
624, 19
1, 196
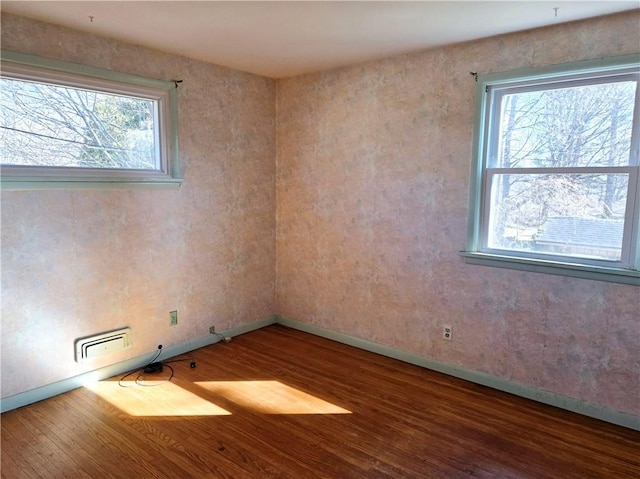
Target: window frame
164, 94
475, 252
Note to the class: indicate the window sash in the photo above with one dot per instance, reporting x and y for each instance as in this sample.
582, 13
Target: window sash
630, 228
496, 93
162, 93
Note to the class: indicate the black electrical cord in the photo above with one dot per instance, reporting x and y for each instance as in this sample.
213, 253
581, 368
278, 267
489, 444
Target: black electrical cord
142, 376
153, 367
192, 365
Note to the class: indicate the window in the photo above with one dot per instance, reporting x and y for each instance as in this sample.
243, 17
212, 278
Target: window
67, 125
555, 176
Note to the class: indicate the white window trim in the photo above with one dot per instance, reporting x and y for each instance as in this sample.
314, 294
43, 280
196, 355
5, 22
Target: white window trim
473, 253
23, 66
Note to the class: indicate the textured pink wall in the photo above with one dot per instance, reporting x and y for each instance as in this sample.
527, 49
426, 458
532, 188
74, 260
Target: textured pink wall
372, 185
372, 179
75, 263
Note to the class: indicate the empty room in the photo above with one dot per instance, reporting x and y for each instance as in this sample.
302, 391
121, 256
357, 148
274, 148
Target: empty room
364, 240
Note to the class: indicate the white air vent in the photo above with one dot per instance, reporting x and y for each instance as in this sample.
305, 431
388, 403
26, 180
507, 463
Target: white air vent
101, 344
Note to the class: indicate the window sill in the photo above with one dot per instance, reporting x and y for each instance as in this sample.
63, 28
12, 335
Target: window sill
596, 273
87, 183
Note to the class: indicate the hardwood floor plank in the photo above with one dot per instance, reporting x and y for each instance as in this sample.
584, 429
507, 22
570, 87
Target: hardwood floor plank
72, 439
251, 409
146, 446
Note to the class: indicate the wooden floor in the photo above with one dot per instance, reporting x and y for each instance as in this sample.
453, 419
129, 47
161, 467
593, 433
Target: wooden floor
278, 403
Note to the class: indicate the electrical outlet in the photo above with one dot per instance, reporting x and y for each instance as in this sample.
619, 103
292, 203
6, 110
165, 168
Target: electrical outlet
447, 332
173, 318
212, 330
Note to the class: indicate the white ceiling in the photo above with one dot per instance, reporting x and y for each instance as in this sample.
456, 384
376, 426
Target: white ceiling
279, 38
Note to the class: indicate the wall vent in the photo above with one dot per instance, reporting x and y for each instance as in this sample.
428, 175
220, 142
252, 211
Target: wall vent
101, 344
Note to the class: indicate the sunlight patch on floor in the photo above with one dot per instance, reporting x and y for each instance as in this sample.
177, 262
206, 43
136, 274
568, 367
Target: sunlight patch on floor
164, 399
271, 397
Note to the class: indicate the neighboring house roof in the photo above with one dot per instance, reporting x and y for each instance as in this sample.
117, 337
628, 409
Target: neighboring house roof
601, 233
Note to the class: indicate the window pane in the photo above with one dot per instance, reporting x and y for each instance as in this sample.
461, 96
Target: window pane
577, 126
50, 125
570, 215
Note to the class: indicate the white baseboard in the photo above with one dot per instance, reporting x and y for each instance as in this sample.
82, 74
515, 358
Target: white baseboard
564, 402
50, 390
